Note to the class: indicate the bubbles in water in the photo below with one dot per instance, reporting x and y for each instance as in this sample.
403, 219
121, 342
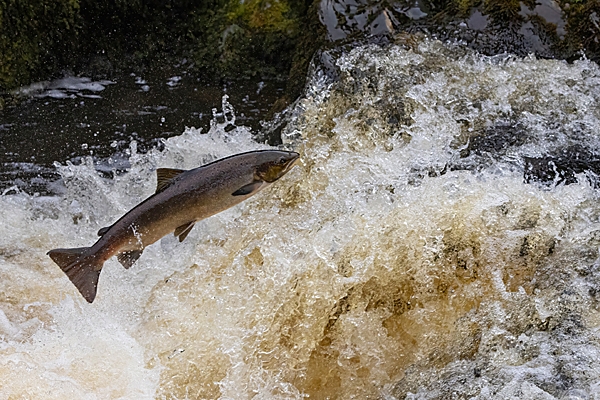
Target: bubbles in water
405, 256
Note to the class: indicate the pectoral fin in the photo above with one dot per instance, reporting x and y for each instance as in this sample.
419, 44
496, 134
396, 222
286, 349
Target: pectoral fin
250, 188
183, 230
127, 258
164, 177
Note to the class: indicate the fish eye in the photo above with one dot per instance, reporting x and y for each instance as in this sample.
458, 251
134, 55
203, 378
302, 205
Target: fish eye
282, 161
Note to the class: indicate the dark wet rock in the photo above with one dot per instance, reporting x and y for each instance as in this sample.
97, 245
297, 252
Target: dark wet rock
562, 166
546, 28
491, 145
227, 38
496, 140
221, 38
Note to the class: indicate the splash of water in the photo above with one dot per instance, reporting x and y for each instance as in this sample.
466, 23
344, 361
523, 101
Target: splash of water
405, 257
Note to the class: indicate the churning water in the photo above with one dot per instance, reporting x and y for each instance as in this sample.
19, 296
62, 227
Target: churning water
439, 239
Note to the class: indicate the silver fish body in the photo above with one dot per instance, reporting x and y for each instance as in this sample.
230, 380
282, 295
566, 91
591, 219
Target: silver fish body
182, 198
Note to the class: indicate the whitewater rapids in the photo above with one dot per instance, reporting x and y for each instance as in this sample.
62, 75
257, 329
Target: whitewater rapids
416, 251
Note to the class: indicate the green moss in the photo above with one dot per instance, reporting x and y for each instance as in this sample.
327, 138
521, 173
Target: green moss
311, 39
503, 10
462, 8
258, 37
582, 29
262, 15
222, 38
35, 35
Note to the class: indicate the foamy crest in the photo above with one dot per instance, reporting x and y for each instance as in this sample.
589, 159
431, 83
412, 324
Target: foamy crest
403, 257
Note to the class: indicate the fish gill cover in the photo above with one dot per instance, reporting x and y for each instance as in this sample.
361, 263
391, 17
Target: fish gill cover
439, 239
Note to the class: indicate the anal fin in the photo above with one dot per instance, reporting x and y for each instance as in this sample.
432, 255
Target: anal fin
128, 258
183, 230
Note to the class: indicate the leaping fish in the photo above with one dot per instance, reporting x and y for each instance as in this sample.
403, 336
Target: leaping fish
182, 198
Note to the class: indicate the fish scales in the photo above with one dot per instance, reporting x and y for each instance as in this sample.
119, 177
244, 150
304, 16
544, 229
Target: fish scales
182, 198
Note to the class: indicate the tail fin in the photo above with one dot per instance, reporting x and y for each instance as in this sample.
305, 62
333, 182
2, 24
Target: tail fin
83, 271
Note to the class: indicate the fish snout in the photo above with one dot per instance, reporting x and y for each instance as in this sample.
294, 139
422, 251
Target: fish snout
294, 157
288, 162
273, 169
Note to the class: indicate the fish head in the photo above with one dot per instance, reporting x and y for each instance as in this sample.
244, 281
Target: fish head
272, 165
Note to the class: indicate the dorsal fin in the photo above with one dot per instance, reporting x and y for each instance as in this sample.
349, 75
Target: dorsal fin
164, 176
102, 231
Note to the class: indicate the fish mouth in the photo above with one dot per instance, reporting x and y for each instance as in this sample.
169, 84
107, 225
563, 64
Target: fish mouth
294, 157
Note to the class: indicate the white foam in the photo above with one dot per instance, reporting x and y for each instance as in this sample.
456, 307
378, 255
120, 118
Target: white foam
67, 87
386, 264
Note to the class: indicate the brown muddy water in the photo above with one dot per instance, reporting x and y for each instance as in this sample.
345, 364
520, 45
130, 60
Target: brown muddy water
440, 238
416, 251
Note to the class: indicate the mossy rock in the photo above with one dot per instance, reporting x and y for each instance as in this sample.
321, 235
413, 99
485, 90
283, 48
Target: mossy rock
276, 39
35, 38
222, 38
